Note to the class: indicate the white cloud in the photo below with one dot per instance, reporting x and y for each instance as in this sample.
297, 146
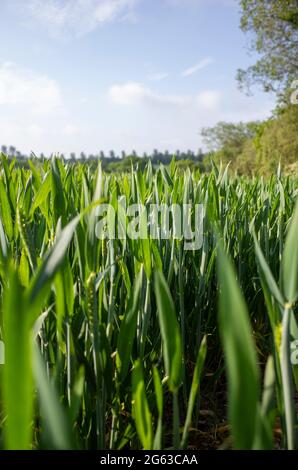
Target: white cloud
209, 99
34, 130
133, 93
199, 66
157, 77
131, 17
70, 130
200, 109
20, 87
77, 17
11, 131
32, 112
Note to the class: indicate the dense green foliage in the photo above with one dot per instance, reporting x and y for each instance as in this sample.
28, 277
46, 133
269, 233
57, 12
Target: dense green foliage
116, 343
257, 147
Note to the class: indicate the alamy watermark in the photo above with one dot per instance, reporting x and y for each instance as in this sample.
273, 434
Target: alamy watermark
183, 222
294, 353
294, 94
2, 353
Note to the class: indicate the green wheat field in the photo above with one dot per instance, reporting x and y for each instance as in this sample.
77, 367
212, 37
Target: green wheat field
140, 344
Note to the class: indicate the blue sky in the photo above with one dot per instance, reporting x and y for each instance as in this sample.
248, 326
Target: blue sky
90, 75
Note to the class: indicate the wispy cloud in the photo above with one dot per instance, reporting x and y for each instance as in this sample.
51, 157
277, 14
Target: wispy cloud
198, 3
133, 93
77, 17
199, 66
136, 94
157, 77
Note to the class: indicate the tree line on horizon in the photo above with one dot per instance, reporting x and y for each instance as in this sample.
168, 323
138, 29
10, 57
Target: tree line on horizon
111, 158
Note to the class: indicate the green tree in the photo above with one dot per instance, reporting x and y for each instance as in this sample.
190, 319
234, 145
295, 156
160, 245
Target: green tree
257, 146
228, 139
277, 140
273, 25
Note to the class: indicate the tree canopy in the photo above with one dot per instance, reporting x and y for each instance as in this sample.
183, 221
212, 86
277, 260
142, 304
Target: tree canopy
273, 28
